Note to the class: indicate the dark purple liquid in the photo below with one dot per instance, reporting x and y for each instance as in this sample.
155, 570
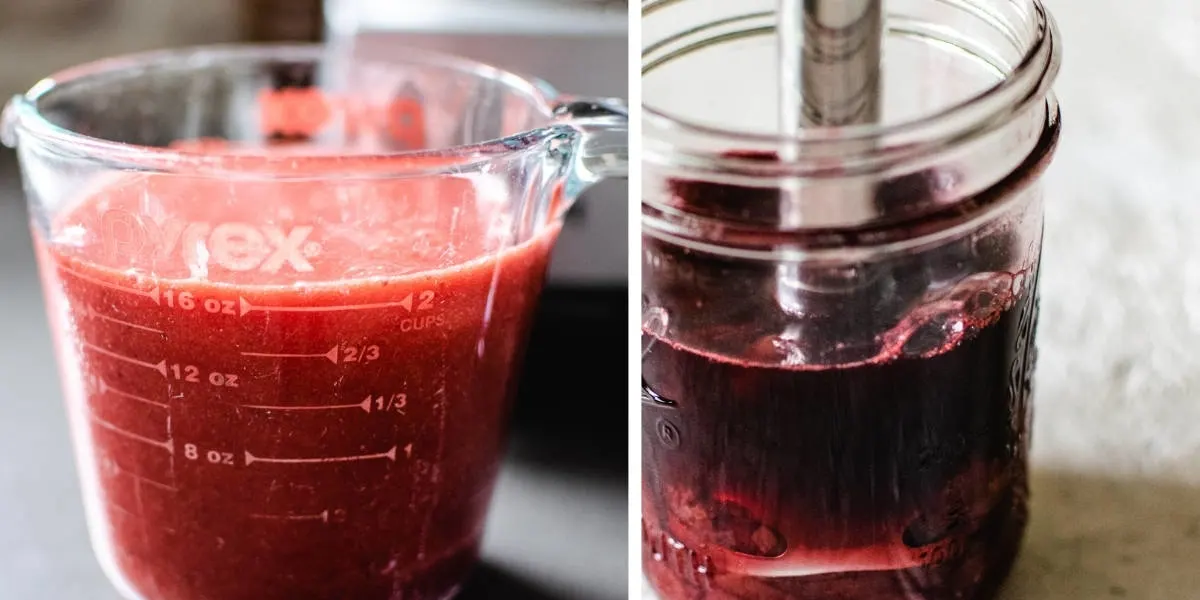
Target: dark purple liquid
902, 477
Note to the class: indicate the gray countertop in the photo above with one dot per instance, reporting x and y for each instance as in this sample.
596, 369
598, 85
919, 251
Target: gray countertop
557, 530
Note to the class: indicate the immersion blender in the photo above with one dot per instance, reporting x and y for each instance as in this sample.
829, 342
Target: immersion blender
830, 67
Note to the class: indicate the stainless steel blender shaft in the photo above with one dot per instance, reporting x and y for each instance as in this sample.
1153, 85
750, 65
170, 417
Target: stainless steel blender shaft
840, 65
830, 55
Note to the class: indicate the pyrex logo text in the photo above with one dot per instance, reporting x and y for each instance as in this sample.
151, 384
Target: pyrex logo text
233, 245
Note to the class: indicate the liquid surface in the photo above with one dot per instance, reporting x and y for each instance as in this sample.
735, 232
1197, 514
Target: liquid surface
289, 390
898, 477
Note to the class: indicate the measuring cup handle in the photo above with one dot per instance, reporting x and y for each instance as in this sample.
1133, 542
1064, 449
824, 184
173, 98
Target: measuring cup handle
603, 125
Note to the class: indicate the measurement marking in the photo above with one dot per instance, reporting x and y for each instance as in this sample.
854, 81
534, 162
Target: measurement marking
247, 307
390, 454
158, 484
160, 366
137, 496
151, 294
166, 445
105, 388
440, 407
331, 356
95, 315
322, 516
141, 478
121, 509
365, 405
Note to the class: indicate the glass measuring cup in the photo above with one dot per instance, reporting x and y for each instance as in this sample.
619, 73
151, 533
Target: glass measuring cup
836, 397
289, 295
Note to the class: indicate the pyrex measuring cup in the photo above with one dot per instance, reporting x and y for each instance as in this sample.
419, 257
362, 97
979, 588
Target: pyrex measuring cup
836, 396
289, 296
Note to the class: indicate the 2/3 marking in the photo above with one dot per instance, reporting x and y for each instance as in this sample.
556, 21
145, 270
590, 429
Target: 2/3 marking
191, 374
360, 353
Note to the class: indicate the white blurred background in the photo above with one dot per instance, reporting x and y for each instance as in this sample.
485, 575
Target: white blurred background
1117, 437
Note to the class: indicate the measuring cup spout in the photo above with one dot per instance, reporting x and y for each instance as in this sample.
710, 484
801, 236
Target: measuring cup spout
600, 127
9, 119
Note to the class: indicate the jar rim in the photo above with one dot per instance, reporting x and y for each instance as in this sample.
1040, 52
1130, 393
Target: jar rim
673, 141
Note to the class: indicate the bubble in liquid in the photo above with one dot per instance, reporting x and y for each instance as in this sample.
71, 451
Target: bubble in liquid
985, 296
654, 326
654, 319
779, 349
935, 327
377, 269
933, 527
1018, 283
736, 527
927, 331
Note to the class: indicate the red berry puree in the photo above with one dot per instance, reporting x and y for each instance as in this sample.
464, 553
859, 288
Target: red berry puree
899, 477
290, 389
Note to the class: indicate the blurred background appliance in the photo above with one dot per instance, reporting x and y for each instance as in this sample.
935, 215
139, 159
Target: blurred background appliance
282, 20
39, 37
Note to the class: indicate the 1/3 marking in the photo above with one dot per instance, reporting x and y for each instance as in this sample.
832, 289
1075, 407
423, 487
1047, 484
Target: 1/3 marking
212, 457
188, 301
394, 403
191, 374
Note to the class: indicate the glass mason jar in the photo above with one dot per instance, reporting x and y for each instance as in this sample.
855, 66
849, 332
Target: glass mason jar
838, 349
